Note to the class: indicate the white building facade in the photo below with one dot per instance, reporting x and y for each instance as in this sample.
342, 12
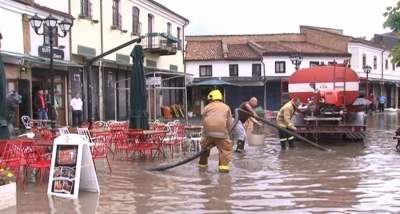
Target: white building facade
384, 77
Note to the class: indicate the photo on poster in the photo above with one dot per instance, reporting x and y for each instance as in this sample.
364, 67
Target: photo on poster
58, 186
67, 186
57, 172
72, 173
66, 155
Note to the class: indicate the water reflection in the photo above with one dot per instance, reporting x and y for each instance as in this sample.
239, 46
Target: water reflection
356, 177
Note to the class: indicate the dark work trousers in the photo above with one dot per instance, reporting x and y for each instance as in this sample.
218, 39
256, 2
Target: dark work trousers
77, 118
381, 107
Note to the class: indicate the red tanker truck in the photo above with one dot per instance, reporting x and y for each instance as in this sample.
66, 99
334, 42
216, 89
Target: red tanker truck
328, 94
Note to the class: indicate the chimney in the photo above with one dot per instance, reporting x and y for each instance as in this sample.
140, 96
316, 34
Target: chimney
225, 48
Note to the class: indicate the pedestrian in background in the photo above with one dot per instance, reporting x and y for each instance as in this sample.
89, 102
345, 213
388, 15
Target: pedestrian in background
76, 105
39, 103
381, 103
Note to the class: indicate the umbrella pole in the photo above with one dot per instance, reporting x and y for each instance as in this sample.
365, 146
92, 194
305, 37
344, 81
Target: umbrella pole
115, 101
155, 98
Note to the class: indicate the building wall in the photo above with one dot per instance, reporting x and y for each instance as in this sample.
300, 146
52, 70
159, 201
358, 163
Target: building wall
326, 38
60, 5
269, 62
11, 28
85, 32
242, 39
358, 50
221, 68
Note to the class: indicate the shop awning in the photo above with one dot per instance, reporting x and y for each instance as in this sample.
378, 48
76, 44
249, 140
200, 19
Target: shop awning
55, 62
16, 55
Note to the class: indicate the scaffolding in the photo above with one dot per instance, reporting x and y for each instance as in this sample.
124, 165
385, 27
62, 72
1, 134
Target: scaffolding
154, 87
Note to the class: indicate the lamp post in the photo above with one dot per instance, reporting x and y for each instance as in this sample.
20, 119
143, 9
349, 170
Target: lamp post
367, 69
49, 30
296, 60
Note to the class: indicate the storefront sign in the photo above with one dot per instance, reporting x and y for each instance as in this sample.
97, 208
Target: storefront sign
71, 167
44, 51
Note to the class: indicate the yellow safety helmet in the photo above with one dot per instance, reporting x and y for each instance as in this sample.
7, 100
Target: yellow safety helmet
214, 95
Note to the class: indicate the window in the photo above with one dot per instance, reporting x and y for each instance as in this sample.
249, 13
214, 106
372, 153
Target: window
233, 70
386, 64
375, 63
330, 63
46, 36
205, 70
280, 67
256, 70
178, 35
314, 63
136, 26
393, 66
86, 8
169, 26
364, 60
117, 18
150, 21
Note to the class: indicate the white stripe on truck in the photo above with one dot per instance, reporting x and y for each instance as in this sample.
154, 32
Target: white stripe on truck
305, 87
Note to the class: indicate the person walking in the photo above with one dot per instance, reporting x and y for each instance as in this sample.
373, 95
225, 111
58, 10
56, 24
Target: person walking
39, 102
284, 120
76, 105
381, 103
217, 122
239, 128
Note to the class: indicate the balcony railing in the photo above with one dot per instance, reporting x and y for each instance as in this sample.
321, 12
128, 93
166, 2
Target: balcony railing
116, 19
86, 9
160, 43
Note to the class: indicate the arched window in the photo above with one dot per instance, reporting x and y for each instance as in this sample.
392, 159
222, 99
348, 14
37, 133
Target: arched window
135, 20
169, 26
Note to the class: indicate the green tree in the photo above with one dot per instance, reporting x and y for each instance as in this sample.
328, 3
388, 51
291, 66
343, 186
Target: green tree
392, 15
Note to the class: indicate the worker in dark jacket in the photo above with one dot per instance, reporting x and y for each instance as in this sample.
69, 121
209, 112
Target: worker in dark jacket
239, 128
217, 122
284, 120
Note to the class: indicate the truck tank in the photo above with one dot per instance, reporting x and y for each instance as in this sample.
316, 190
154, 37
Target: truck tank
328, 94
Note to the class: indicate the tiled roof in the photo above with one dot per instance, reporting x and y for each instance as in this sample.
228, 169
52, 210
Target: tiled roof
241, 51
204, 50
369, 43
301, 47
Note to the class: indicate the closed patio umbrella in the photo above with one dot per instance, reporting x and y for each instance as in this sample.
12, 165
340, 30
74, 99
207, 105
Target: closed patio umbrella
138, 93
4, 132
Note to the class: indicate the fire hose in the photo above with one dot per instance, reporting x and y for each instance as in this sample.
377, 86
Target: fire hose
235, 122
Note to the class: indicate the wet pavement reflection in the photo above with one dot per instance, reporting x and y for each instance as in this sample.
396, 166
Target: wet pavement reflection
355, 178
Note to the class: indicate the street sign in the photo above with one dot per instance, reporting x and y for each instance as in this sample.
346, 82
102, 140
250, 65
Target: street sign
72, 167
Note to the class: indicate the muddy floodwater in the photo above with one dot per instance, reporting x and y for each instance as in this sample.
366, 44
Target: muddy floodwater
355, 178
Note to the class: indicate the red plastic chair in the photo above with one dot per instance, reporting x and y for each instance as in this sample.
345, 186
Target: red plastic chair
12, 158
100, 148
176, 139
35, 160
2, 146
141, 144
85, 124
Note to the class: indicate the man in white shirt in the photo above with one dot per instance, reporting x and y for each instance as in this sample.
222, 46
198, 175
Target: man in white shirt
76, 106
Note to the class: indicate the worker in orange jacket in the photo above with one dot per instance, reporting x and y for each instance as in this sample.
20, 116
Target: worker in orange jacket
217, 122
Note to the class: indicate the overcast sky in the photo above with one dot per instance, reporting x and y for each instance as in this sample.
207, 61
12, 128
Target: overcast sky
357, 18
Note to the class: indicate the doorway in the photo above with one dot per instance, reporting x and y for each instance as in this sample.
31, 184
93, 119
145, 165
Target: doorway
37, 85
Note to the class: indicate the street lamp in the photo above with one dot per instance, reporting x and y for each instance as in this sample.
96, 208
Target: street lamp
296, 60
51, 24
367, 69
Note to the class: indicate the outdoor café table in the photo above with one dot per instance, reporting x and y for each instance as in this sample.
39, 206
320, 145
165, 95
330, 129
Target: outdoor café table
149, 133
189, 129
37, 121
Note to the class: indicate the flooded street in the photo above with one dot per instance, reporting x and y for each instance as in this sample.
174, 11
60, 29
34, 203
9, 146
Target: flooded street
355, 178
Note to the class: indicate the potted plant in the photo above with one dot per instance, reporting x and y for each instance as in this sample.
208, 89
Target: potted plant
189, 110
257, 137
8, 189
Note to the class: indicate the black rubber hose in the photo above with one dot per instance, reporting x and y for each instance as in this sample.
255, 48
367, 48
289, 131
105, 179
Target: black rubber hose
201, 152
282, 129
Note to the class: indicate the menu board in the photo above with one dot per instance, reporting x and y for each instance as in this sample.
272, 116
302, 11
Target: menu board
65, 169
71, 158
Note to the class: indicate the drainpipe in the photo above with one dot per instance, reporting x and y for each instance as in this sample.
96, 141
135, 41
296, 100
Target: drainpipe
265, 82
382, 84
70, 74
184, 65
101, 69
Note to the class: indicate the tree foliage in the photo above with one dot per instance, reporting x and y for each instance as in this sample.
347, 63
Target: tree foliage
392, 15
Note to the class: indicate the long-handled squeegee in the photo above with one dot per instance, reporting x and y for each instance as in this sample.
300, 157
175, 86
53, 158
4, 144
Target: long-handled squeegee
204, 150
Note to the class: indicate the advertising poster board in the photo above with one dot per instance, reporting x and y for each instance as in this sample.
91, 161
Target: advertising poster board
67, 167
